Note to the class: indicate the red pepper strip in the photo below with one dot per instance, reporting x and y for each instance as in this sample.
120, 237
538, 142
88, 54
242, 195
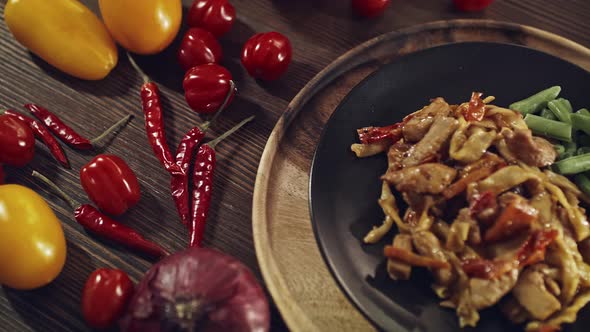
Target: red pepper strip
411, 258
531, 252
42, 133
203, 185
154, 126
369, 135
95, 222
69, 135
460, 186
179, 182
549, 328
515, 218
481, 202
485, 268
476, 109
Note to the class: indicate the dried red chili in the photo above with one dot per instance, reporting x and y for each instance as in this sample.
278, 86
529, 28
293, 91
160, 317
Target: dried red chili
531, 252
42, 133
203, 185
154, 122
368, 135
481, 202
184, 153
95, 222
69, 135
476, 109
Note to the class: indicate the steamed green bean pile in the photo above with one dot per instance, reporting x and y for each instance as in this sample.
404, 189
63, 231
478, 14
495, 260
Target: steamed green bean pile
547, 115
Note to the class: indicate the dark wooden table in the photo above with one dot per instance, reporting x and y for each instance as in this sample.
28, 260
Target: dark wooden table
320, 30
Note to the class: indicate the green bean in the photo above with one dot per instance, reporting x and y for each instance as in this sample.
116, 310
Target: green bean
573, 165
582, 150
583, 111
536, 102
560, 149
547, 114
550, 128
583, 139
581, 122
583, 182
562, 109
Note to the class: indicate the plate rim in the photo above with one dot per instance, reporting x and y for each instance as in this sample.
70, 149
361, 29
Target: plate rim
274, 281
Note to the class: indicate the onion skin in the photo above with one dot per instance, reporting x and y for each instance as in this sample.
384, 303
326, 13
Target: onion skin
198, 289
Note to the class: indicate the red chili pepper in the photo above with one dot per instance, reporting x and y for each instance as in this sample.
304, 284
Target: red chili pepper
154, 122
203, 185
95, 222
105, 296
42, 133
179, 182
184, 155
476, 109
110, 184
69, 135
368, 135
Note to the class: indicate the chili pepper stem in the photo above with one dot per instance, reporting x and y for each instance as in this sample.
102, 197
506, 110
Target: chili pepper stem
223, 136
102, 140
231, 91
143, 75
56, 189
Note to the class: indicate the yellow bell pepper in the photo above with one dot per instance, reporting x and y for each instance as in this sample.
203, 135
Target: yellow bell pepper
142, 26
64, 33
32, 242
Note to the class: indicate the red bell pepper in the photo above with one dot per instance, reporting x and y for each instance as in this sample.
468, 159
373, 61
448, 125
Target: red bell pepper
110, 184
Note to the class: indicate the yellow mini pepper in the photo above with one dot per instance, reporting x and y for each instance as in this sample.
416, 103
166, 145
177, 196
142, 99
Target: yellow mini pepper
64, 33
32, 242
142, 26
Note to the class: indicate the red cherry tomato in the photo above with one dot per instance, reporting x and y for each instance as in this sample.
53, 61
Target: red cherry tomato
17, 142
105, 296
198, 47
267, 55
472, 5
370, 8
215, 16
110, 184
206, 86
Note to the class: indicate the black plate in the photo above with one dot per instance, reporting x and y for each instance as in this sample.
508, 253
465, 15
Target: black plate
344, 190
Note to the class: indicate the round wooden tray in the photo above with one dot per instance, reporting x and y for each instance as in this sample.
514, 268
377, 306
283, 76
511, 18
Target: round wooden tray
295, 273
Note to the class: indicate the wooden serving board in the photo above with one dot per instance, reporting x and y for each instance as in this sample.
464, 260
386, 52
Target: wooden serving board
295, 273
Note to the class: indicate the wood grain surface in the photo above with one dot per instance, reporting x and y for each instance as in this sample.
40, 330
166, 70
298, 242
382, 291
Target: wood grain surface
320, 30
